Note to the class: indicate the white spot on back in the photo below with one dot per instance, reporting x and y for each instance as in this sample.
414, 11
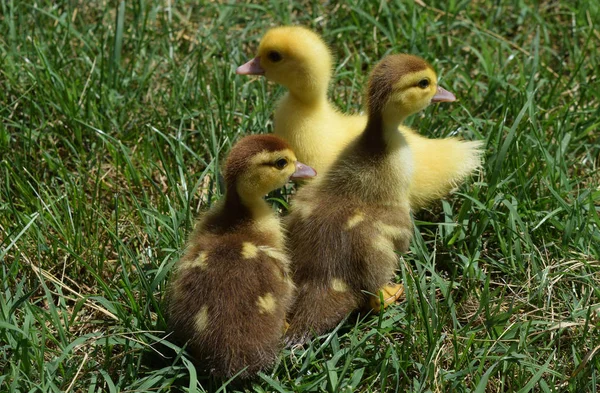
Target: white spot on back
275, 254
266, 303
384, 244
338, 285
200, 261
201, 319
356, 219
389, 230
249, 250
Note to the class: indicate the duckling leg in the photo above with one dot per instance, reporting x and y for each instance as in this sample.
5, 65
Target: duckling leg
390, 294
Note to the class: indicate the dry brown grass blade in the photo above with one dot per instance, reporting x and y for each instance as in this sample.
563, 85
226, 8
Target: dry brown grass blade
85, 357
585, 361
49, 276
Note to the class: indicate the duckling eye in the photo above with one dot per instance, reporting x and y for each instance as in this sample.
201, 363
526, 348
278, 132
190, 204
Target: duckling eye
281, 163
423, 83
274, 56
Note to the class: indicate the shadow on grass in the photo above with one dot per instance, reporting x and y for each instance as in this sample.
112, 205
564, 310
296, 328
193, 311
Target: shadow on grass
187, 373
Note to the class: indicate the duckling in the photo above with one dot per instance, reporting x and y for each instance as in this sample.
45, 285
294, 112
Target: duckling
318, 132
344, 227
231, 289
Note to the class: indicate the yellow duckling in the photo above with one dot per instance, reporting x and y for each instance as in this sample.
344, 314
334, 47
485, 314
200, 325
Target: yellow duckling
345, 225
231, 289
298, 59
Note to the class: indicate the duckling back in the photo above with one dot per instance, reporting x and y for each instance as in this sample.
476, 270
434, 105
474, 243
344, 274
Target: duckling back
340, 258
228, 301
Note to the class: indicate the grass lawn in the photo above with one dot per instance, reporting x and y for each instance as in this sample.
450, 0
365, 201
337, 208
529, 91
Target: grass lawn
114, 117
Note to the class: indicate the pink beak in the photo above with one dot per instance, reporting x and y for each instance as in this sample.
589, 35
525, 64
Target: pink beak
251, 68
303, 171
443, 95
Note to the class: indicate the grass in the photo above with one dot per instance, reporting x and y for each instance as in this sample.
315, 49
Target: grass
115, 116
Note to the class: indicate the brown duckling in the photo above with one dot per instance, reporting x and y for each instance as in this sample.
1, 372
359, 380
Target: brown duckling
231, 289
345, 226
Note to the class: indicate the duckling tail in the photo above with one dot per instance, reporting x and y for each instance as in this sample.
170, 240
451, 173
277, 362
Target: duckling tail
318, 309
439, 165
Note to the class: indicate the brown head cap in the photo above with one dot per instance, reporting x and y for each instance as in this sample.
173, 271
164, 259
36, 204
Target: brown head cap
247, 147
386, 73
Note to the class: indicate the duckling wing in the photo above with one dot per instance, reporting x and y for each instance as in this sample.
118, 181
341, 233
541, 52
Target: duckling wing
439, 165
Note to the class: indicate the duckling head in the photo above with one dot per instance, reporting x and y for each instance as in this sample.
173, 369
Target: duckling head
294, 57
401, 85
259, 164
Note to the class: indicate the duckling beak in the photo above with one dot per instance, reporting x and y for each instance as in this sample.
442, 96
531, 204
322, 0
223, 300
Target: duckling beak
303, 171
251, 68
442, 95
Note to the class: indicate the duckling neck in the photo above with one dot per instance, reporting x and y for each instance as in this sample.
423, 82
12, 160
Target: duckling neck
391, 119
381, 134
385, 159
248, 208
306, 99
231, 213
234, 212
309, 91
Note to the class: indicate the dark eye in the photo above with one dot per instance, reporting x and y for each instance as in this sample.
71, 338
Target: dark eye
274, 56
423, 83
281, 163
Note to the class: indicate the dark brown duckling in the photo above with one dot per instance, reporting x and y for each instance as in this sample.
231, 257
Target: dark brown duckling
231, 289
345, 227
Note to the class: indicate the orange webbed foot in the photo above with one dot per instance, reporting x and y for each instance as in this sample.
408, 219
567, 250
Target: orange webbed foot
390, 294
